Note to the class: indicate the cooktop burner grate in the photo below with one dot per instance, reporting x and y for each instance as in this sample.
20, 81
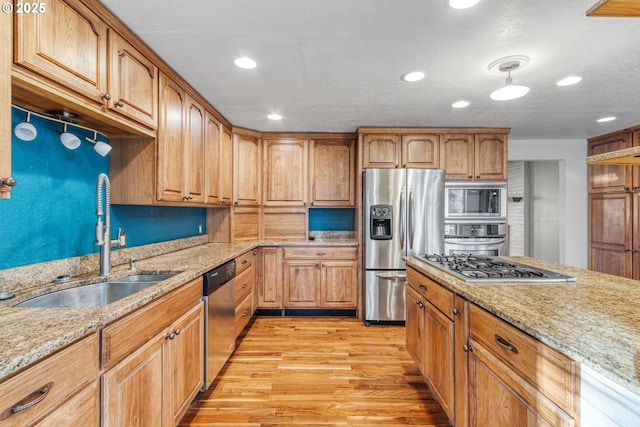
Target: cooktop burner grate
473, 268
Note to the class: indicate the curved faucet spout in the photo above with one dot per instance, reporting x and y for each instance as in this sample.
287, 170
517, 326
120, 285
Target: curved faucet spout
103, 223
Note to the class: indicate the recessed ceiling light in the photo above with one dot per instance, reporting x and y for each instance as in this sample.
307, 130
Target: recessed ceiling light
274, 116
462, 4
606, 119
569, 80
413, 76
246, 63
460, 104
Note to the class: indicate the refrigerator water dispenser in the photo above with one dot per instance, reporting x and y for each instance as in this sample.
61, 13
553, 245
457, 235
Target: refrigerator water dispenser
381, 222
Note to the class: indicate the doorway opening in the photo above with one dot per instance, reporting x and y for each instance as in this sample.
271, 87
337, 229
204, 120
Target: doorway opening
534, 209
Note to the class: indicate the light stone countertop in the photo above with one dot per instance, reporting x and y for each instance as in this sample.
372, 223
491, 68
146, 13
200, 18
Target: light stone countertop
29, 334
595, 320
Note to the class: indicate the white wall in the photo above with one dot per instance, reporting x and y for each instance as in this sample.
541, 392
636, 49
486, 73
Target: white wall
572, 155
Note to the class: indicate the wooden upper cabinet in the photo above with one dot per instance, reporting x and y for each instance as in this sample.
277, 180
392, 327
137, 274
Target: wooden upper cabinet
171, 161
225, 166
332, 172
133, 82
285, 172
194, 152
420, 151
5, 102
490, 161
380, 151
456, 156
246, 170
67, 44
605, 178
212, 132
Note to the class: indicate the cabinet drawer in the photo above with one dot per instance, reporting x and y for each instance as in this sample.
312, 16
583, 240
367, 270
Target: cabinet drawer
64, 374
436, 294
243, 284
319, 253
244, 261
125, 335
243, 314
549, 371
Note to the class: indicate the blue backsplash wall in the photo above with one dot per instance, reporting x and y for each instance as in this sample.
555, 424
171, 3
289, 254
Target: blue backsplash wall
51, 212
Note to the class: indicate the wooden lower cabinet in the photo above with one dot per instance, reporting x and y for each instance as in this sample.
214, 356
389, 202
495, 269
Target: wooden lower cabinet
431, 335
415, 328
153, 361
317, 277
482, 370
500, 398
68, 381
301, 280
244, 290
269, 278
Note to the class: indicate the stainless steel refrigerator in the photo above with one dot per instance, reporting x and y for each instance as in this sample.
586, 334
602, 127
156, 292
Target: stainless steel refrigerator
403, 213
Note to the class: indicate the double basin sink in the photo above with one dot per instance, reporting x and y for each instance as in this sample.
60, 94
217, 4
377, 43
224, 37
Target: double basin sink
96, 294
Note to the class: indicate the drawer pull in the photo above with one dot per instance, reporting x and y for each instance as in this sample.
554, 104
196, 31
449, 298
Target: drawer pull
245, 313
506, 344
321, 253
244, 262
423, 287
244, 286
29, 401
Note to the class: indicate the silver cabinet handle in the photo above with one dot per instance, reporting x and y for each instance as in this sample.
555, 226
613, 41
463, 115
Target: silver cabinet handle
28, 402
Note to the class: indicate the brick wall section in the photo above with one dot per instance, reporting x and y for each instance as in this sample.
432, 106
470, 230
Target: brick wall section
516, 210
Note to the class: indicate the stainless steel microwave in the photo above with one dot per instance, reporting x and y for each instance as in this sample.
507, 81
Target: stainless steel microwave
475, 200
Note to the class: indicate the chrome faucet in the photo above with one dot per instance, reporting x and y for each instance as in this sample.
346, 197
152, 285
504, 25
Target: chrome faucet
103, 225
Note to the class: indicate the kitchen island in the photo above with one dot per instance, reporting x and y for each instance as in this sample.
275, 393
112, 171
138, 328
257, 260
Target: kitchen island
594, 320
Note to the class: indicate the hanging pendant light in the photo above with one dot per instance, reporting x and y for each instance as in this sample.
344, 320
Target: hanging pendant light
509, 91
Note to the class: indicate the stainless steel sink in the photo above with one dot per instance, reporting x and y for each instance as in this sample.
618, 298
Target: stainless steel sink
97, 294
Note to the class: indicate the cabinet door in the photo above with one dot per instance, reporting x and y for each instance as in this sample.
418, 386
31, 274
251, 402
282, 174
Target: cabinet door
380, 151
439, 371
286, 172
67, 44
332, 173
301, 280
246, 161
491, 157
610, 233
171, 160
414, 326
225, 167
420, 151
133, 83
212, 131
185, 361
194, 152
456, 156
132, 392
500, 398
270, 278
605, 178
339, 284
6, 38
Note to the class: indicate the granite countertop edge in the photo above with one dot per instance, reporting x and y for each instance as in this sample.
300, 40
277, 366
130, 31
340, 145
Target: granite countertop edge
28, 335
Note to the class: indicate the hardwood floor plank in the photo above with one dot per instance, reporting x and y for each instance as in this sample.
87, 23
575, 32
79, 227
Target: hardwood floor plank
303, 371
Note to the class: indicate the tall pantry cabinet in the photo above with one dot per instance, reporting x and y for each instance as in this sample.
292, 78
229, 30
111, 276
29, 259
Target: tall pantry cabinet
614, 209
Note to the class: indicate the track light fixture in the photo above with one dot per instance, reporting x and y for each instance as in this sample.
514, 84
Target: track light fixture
101, 147
25, 131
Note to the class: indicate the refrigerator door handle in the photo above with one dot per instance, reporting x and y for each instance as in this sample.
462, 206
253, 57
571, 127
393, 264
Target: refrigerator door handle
402, 220
391, 276
411, 216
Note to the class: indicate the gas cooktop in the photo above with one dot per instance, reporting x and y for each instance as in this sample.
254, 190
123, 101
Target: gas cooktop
473, 268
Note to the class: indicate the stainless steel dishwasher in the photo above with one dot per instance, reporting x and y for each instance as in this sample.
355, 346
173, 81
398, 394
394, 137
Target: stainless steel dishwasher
219, 319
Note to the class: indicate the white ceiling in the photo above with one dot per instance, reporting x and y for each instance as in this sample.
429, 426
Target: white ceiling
335, 65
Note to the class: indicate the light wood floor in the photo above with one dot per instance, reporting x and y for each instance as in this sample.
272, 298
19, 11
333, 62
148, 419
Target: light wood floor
301, 371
